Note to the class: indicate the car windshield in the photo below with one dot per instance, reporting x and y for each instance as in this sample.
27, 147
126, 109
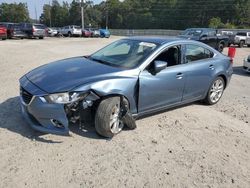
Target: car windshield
124, 53
193, 32
242, 34
16, 26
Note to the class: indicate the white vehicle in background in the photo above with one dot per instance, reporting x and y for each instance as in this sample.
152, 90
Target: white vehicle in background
242, 38
52, 32
246, 65
71, 30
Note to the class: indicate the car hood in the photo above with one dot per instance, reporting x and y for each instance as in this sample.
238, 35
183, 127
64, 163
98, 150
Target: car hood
67, 74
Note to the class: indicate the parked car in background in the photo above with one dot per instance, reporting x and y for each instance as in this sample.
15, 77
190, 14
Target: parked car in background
129, 78
208, 36
16, 32
96, 33
246, 64
86, 33
8, 26
231, 36
71, 30
3, 32
52, 32
104, 33
33, 30
242, 38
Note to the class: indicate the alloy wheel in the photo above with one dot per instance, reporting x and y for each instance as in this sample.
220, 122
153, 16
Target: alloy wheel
216, 90
116, 124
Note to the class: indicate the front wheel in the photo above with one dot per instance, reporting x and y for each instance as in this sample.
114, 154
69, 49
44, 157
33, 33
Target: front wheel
220, 47
108, 117
215, 91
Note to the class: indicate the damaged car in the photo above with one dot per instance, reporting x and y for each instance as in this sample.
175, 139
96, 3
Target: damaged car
127, 79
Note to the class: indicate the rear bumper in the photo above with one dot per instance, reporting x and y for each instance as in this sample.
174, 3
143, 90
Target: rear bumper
2, 35
41, 115
78, 33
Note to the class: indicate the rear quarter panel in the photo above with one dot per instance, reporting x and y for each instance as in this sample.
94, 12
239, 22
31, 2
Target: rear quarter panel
223, 67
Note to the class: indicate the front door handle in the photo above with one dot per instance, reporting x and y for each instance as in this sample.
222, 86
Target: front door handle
179, 76
211, 67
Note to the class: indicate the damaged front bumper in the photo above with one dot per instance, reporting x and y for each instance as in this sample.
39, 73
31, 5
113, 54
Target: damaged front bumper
47, 118
42, 116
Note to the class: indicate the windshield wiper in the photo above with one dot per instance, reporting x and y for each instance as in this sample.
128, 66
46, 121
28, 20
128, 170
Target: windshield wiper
100, 61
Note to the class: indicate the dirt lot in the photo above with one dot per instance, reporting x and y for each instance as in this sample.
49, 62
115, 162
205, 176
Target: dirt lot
191, 146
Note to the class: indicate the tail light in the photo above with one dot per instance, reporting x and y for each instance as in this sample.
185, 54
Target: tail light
33, 29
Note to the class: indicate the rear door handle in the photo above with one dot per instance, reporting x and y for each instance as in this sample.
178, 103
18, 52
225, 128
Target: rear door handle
179, 76
211, 67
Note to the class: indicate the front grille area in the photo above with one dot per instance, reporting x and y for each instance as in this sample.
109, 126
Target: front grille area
25, 95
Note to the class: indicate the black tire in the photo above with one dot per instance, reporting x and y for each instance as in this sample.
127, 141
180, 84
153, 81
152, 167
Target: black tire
241, 43
106, 109
40, 37
208, 100
220, 47
127, 117
248, 45
69, 34
129, 121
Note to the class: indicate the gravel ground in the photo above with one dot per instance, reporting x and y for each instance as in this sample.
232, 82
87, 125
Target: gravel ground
191, 146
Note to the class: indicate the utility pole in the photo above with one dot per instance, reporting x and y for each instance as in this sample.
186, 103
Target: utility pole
50, 14
82, 12
106, 14
36, 13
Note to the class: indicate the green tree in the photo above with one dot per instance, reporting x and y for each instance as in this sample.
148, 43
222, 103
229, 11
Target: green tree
14, 12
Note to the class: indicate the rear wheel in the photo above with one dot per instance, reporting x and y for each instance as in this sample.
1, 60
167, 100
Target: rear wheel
220, 47
241, 43
108, 117
215, 91
248, 45
40, 37
69, 34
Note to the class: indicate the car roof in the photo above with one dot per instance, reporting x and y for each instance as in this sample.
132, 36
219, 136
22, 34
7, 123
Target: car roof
157, 39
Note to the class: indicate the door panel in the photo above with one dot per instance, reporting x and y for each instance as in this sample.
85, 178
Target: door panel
163, 89
198, 78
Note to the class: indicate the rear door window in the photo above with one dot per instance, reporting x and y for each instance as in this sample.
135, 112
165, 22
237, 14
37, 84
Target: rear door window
195, 53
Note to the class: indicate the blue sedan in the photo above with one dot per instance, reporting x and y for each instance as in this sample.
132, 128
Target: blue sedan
127, 79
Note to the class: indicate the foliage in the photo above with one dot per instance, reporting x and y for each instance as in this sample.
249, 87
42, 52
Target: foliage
14, 12
139, 14
215, 23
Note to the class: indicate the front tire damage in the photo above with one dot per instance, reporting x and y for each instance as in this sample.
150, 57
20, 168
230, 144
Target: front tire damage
111, 116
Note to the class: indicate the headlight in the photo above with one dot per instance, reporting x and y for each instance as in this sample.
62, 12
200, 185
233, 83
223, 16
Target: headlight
64, 98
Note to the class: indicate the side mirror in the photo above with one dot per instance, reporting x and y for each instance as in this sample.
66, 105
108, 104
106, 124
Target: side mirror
159, 66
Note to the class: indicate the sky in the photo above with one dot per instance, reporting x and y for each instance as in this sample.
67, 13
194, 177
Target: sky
38, 5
